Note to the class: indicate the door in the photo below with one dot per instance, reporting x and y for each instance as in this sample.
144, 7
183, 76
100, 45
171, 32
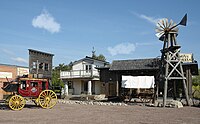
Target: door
24, 88
34, 88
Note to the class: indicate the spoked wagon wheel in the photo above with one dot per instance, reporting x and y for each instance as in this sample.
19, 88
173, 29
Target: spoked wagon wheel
16, 102
47, 99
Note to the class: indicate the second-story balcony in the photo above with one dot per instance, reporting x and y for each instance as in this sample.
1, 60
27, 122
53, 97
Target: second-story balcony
79, 74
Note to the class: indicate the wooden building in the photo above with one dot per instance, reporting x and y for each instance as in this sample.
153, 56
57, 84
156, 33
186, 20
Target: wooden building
40, 64
141, 67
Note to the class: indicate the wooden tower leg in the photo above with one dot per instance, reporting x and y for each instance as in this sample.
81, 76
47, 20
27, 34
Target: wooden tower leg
186, 93
165, 93
185, 87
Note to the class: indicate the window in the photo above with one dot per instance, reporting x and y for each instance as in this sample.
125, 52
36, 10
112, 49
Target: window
88, 68
34, 65
46, 66
34, 84
43, 85
41, 66
70, 84
23, 85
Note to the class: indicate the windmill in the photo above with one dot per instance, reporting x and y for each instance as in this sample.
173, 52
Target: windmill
171, 65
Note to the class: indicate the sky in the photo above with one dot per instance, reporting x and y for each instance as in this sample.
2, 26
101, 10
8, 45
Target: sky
70, 29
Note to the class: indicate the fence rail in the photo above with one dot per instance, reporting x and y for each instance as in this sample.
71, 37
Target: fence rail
79, 74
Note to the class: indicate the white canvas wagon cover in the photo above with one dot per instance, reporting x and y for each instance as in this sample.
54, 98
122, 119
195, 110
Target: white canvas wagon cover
138, 81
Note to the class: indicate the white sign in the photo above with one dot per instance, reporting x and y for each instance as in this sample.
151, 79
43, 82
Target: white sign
22, 71
186, 57
5, 74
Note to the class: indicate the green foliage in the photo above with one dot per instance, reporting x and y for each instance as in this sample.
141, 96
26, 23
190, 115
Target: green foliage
63, 67
56, 78
196, 91
99, 57
196, 80
196, 86
56, 74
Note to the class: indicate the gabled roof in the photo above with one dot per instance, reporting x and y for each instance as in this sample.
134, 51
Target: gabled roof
136, 64
89, 60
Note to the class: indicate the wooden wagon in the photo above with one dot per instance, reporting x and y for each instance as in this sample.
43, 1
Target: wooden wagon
141, 87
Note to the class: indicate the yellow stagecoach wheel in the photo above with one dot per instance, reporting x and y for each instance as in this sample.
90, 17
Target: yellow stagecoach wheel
16, 102
47, 99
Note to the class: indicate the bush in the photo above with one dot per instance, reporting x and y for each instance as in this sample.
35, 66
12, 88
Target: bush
196, 91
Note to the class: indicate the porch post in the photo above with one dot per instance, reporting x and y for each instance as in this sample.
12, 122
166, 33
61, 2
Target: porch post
89, 87
66, 89
117, 88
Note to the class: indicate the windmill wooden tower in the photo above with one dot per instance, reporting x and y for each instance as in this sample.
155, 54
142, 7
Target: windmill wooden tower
171, 65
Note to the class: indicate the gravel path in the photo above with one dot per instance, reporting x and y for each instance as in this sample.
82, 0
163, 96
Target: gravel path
100, 114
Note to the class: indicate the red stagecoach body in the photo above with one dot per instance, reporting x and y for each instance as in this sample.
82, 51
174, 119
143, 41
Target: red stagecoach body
32, 87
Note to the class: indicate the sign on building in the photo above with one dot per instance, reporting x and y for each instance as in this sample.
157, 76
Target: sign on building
22, 71
6, 75
186, 57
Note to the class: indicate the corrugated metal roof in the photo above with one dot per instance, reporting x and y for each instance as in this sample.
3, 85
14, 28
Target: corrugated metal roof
136, 64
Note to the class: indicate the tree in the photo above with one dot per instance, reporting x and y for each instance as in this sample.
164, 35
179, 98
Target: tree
196, 86
196, 79
101, 57
56, 74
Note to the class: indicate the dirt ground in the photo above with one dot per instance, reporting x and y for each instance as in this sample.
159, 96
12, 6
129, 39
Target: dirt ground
94, 114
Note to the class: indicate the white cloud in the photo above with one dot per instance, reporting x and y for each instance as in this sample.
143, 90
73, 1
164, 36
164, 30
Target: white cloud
123, 48
46, 21
20, 60
147, 18
8, 52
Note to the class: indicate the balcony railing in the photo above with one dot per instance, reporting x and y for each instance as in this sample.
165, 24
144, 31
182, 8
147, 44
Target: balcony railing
79, 74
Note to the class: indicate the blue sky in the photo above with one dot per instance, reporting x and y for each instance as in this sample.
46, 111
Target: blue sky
69, 29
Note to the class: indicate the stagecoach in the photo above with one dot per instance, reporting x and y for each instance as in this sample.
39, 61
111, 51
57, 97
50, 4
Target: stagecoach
28, 88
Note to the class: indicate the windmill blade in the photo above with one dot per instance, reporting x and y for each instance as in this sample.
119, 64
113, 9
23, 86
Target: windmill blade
160, 34
166, 23
159, 25
175, 30
174, 26
184, 20
158, 30
170, 23
163, 23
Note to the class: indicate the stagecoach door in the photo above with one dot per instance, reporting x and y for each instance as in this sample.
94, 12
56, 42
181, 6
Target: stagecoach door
24, 88
34, 88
